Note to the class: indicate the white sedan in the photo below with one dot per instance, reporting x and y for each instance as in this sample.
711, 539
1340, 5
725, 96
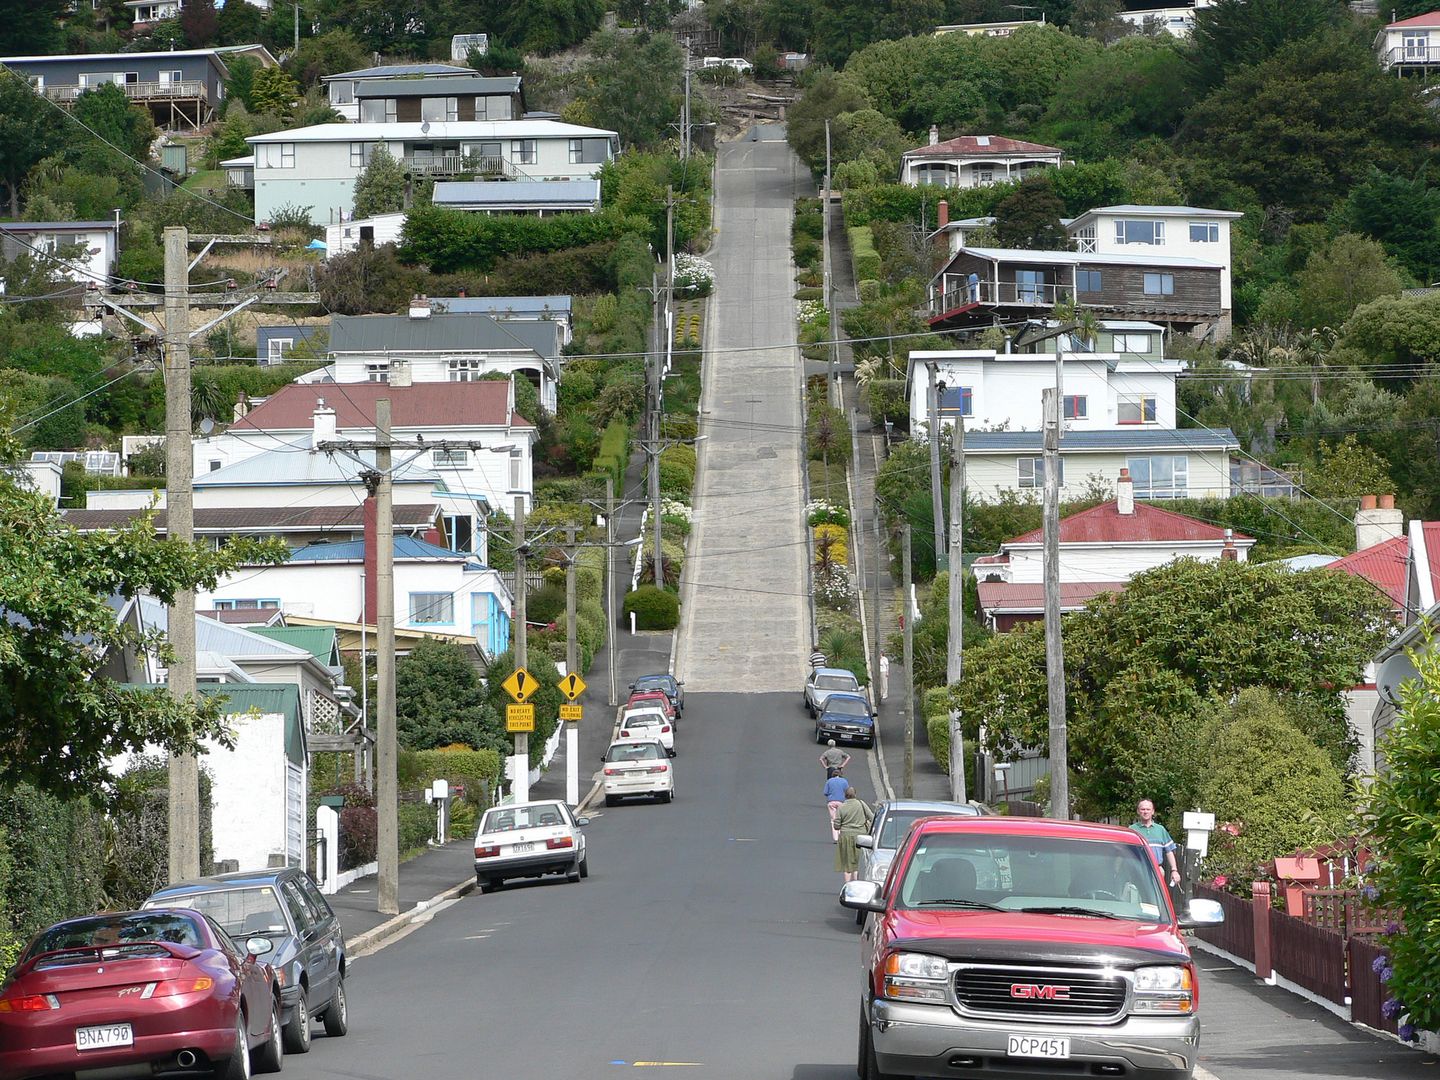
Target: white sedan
529, 839
638, 767
649, 724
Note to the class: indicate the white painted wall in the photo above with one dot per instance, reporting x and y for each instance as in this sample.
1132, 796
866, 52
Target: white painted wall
1106, 562
345, 237
987, 475
95, 262
249, 790
1177, 241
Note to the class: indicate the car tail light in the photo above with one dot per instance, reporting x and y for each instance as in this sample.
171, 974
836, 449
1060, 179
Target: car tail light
624, 734
613, 772
487, 852
658, 769
665, 730
175, 987
29, 1003
555, 843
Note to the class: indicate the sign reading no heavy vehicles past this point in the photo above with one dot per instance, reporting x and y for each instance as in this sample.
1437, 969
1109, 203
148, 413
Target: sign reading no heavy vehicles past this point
520, 685
519, 718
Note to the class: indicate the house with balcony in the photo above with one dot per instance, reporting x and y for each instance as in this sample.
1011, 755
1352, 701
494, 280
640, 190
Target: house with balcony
146, 13
975, 161
438, 98
182, 89
340, 88
540, 198
315, 168
988, 29
1410, 46
83, 251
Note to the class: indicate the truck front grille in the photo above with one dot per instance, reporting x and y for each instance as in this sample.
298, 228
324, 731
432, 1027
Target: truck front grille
1026, 993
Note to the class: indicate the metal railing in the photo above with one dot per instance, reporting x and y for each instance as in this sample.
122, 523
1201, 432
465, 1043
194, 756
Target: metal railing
136, 91
460, 165
1412, 54
1007, 293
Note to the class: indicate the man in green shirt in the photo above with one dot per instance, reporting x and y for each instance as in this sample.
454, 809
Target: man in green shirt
1162, 846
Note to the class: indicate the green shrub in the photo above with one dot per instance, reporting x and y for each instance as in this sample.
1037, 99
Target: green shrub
677, 478
809, 293
806, 251
446, 240
677, 426
614, 453
827, 434
885, 400
547, 605
863, 254
654, 609
672, 558
417, 825
937, 731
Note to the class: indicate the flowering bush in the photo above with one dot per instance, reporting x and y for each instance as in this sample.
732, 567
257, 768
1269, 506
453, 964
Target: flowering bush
834, 587
809, 311
838, 539
694, 273
820, 512
676, 509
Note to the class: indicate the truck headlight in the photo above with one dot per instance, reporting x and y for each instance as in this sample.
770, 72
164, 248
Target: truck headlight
917, 977
1168, 989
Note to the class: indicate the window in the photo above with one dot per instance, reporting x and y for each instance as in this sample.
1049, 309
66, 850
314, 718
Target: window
439, 109
1160, 476
1136, 410
1030, 286
984, 176
460, 528
275, 155
1075, 407
1087, 280
296, 903
361, 153
515, 462
450, 459
1129, 231
377, 111
216, 464
276, 348
378, 372
342, 93
1204, 232
589, 151
1416, 42
522, 151
246, 605
427, 607
1132, 343
172, 76
1159, 284
493, 108
464, 368
1032, 471
957, 401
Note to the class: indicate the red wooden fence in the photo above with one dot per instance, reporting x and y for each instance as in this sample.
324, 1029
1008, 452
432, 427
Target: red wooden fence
1236, 934
1308, 955
1367, 992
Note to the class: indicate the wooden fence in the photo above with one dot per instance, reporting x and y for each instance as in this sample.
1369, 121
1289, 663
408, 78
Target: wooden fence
1236, 935
1308, 955
1342, 911
1367, 992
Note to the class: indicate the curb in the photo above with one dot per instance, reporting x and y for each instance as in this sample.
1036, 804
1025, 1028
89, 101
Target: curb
377, 938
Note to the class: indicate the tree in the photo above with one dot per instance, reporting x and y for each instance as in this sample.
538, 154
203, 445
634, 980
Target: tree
1348, 470
640, 110
1404, 813
1403, 214
827, 97
28, 133
1268, 780
1401, 331
331, 52
497, 59
439, 700
61, 719
1233, 34
275, 91
108, 112
199, 23
1116, 98
1141, 663
1349, 271
239, 24
380, 188
1030, 216
31, 29
240, 86
1099, 19
869, 135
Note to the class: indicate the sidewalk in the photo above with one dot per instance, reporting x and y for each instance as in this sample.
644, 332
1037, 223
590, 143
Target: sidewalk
421, 878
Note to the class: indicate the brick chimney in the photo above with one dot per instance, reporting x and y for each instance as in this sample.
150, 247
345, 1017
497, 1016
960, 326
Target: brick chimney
372, 560
1125, 494
934, 134
942, 214
419, 307
1229, 553
1377, 520
324, 420
400, 373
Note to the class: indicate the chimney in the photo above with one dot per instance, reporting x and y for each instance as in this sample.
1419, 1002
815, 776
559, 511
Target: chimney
242, 405
419, 307
461, 292
1228, 553
934, 134
1125, 494
400, 373
436, 537
372, 560
1376, 521
324, 419
942, 213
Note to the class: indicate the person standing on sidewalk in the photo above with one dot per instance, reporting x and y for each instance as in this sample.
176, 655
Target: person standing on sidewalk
835, 788
1162, 846
853, 819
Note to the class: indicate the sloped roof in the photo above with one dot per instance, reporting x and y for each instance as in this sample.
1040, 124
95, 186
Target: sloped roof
1104, 524
406, 547
969, 145
392, 71
423, 405
251, 617
319, 641
515, 192
234, 642
252, 518
501, 306
298, 465
1384, 565
267, 699
450, 84
1137, 438
1430, 18
1013, 598
443, 331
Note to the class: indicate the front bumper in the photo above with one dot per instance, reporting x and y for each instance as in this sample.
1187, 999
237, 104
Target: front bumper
934, 1040
845, 735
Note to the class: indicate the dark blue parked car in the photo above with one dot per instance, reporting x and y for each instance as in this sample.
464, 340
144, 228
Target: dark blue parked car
846, 718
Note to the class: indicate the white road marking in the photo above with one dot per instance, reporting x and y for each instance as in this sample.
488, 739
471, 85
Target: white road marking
1202, 1073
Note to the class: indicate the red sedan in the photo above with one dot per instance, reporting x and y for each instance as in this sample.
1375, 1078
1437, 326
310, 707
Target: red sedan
657, 699
149, 992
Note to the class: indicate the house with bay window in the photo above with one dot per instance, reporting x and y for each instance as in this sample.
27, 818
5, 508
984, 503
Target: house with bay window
315, 168
975, 161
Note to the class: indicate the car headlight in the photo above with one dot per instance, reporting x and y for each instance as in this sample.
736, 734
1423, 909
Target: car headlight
917, 977
1167, 989
878, 869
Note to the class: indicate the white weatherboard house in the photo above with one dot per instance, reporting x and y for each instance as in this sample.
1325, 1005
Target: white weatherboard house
86, 251
1411, 44
975, 160
315, 168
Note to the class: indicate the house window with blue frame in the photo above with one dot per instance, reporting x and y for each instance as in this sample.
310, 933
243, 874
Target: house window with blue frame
246, 605
432, 608
957, 401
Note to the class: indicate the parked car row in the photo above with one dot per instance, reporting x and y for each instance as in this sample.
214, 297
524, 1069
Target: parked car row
834, 698
218, 976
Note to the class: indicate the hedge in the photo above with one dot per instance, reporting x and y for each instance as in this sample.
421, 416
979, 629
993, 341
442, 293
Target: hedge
614, 453
863, 253
885, 399
416, 825
935, 708
676, 477
654, 609
446, 240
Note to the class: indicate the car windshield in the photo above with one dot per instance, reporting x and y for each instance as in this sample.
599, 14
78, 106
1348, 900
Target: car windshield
509, 818
643, 719
836, 682
654, 682
240, 912
122, 933
841, 706
1032, 873
897, 823
642, 751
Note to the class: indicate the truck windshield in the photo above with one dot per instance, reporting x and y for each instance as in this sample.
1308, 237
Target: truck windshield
1021, 873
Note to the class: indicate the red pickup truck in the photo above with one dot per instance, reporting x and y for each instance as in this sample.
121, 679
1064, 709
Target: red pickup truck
1010, 948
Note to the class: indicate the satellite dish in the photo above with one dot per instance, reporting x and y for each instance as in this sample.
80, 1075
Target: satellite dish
207, 426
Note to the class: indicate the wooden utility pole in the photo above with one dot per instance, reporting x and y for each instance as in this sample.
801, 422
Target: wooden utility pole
1054, 647
832, 374
654, 448
937, 503
908, 785
184, 862
610, 611
572, 667
521, 786
955, 657
387, 793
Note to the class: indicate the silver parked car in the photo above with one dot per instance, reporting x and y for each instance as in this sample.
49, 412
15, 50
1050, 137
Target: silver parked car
825, 681
892, 821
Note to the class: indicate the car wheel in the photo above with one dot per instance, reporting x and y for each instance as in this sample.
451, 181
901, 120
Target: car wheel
818, 737
584, 865
237, 1065
573, 874
868, 1067
297, 1031
337, 1013
611, 800
664, 796
271, 1057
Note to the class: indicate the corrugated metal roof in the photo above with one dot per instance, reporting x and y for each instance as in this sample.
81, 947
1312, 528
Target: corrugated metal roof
298, 466
398, 70
234, 642
448, 85
437, 131
249, 518
1158, 257
1138, 438
319, 641
504, 305
1385, 565
267, 699
1104, 524
1161, 211
462, 332
515, 192
994, 146
1012, 598
423, 405
406, 547
58, 226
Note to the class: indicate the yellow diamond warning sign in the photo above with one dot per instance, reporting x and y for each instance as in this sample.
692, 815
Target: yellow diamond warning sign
519, 718
520, 685
572, 686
